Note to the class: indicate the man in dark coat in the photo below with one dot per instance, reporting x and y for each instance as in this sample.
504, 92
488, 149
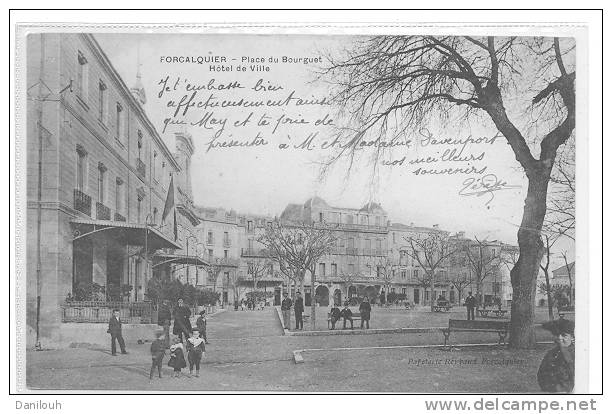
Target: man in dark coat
298, 308
470, 304
114, 329
334, 315
182, 324
365, 309
164, 319
347, 315
286, 310
556, 372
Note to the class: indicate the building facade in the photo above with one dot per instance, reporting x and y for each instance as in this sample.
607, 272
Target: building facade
98, 179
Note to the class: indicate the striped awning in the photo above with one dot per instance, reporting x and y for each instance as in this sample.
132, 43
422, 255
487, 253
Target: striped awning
135, 234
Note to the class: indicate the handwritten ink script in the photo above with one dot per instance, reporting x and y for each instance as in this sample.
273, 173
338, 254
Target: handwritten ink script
234, 112
486, 185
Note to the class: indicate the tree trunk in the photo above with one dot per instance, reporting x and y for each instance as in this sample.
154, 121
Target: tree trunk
431, 291
313, 301
531, 250
548, 297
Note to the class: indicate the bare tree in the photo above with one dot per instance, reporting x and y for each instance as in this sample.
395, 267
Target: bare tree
385, 269
546, 287
297, 248
347, 279
394, 84
561, 215
431, 251
256, 269
483, 262
569, 267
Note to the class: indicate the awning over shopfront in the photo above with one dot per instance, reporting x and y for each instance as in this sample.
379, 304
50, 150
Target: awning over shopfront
135, 234
165, 258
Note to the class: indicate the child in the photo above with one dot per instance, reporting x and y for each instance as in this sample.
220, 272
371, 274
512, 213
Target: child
201, 324
556, 373
158, 351
177, 357
195, 347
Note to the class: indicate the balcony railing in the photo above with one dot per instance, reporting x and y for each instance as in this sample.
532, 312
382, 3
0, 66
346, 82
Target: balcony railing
102, 212
101, 312
141, 168
82, 202
119, 217
253, 252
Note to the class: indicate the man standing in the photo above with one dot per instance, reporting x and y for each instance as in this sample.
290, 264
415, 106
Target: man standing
201, 324
286, 310
470, 304
364, 309
299, 309
182, 324
114, 329
164, 318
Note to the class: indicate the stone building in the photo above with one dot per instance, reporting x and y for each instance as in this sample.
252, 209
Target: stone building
98, 177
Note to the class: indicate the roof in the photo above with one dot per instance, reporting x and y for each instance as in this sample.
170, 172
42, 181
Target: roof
315, 201
563, 269
134, 233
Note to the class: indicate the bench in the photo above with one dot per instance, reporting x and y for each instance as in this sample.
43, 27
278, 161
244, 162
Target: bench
356, 318
461, 325
442, 308
563, 314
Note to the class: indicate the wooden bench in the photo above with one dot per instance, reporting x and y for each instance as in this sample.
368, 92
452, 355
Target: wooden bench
563, 314
442, 308
356, 318
461, 325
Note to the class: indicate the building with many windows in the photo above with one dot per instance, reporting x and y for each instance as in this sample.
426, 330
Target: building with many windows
98, 178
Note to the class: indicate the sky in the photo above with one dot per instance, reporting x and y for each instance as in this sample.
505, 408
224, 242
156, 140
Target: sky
264, 179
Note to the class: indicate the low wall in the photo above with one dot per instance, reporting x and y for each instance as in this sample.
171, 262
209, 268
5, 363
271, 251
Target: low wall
94, 334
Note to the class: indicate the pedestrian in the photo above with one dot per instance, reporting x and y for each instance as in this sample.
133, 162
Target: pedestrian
298, 308
201, 324
347, 315
556, 372
286, 310
114, 329
364, 309
158, 351
164, 319
470, 304
242, 304
182, 324
195, 350
334, 315
177, 357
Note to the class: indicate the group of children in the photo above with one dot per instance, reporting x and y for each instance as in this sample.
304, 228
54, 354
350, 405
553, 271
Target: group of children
194, 348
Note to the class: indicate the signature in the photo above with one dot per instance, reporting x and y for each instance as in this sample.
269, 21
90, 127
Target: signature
487, 184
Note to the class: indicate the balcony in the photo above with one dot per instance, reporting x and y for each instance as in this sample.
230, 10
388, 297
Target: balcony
102, 212
119, 217
254, 253
141, 168
82, 202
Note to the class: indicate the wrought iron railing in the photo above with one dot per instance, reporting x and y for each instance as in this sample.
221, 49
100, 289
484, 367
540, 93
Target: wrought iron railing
254, 252
101, 312
102, 212
82, 202
119, 217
